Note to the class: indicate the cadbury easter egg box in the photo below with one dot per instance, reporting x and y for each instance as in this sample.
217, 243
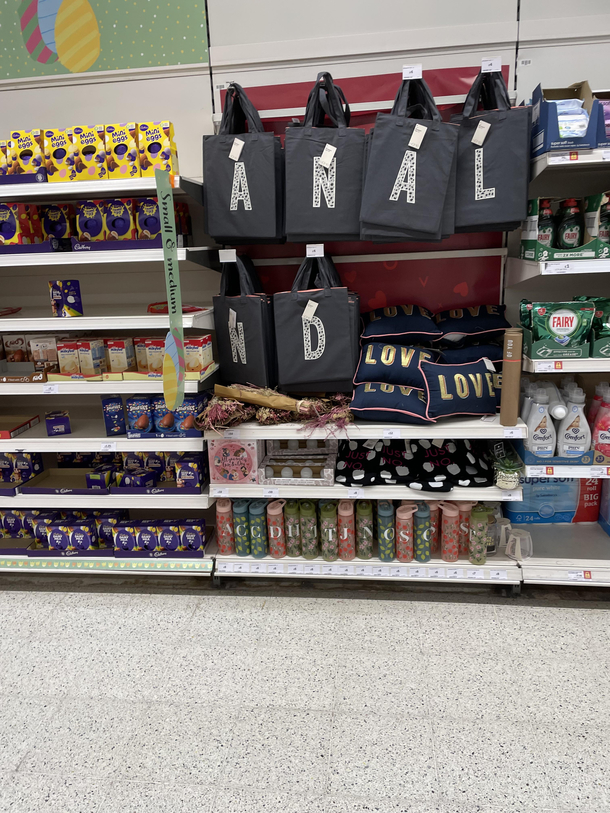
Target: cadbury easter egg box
122, 157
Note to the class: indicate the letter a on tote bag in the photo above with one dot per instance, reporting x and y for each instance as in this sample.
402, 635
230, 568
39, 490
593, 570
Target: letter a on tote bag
313, 329
243, 319
493, 159
324, 168
243, 176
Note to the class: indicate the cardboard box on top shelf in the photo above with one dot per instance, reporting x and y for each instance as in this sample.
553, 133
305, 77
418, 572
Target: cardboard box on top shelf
545, 122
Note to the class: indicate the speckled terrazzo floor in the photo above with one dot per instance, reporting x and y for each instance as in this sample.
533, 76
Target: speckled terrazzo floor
229, 702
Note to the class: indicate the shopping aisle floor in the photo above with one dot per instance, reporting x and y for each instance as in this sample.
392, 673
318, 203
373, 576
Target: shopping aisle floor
259, 703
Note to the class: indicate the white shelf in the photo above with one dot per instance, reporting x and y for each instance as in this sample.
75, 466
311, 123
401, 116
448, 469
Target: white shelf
570, 173
498, 570
66, 259
568, 554
522, 270
88, 435
338, 492
101, 317
85, 387
84, 190
101, 564
454, 428
173, 502
572, 159
576, 472
588, 365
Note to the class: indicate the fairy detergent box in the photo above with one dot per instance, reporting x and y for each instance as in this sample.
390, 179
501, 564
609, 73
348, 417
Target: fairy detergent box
557, 330
555, 500
89, 153
157, 148
122, 159
27, 151
59, 155
552, 233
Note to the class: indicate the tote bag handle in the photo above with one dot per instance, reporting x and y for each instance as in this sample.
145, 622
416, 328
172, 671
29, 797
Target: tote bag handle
316, 272
238, 110
490, 90
239, 279
328, 99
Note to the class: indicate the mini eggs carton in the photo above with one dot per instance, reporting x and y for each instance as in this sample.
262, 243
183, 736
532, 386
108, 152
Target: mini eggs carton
19, 224
235, 461
119, 219
157, 148
122, 158
27, 151
148, 222
76, 537
89, 153
90, 221
59, 155
58, 220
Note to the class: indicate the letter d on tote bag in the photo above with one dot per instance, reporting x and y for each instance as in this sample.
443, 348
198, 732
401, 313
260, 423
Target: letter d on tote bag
312, 327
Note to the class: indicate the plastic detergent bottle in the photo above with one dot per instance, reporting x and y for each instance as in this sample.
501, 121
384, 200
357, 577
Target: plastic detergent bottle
527, 401
569, 233
601, 430
574, 434
540, 427
557, 407
385, 531
604, 223
546, 225
596, 403
347, 530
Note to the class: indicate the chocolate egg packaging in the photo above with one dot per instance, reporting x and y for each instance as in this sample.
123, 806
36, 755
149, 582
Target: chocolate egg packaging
139, 414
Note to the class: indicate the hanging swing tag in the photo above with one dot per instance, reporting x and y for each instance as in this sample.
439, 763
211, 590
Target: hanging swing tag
232, 319
327, 156
309, 311
227, 255
490, 365
480, 134
418, 136
493, 65
411, 71
236, 149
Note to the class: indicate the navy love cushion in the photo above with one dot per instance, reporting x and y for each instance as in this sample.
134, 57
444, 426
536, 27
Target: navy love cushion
378, 401
393, 364
462, 324
401, 324
459, 389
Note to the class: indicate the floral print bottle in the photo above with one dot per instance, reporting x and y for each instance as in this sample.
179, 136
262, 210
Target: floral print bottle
224, 527
477, 547
275, 529
364, 529
465, 509
450, 532
347, 530
404, 531
292, 528
258, 529
329, 532
385, 531
241, 527
309, 529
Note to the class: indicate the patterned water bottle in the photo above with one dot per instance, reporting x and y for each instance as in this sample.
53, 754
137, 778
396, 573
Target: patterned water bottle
450, 532
329, 531
258, 528
224, 528
404, 531
241, 527
364, 529
292, 528
275, 529
435, 537
385, 531
309, 529
347, 533
465, 509
421, 527
477, 546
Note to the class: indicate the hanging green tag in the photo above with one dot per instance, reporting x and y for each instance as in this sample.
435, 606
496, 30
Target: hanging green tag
173, 362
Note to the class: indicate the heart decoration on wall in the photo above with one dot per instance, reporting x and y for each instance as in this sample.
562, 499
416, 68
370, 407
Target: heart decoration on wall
380, 300
461, 289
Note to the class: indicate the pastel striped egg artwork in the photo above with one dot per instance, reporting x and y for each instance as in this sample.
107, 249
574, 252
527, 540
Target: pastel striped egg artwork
64, 30
173, 374
37, 42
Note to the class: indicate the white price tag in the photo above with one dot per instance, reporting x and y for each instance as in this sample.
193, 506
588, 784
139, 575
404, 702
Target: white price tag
232, 319
258, 567
296, 568
355, 493
489, 418
276, 567
314, 250
271, 493
379, 571
598, 471
560, 158
395, 572
490, 365
475, 574
498, 575
480, 134
236, 149
418, 572
50, 389
436, 572
391, 433
514, 432
536, 471
419, 131
312, 570
108, 447
411, 71
364, 570
227, 255
576, 575
327, 570
225, 567
491, 65
327, 156
219, 492
345, 570
545, 366
241, 567
455, 573
605, 155
309, 311
512, 496
557, 268
232, 433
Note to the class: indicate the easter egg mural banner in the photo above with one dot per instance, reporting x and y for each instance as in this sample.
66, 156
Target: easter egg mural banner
48, 37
